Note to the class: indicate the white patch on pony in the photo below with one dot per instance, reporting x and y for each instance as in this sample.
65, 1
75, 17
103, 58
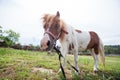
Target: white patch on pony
83, 39
80, 40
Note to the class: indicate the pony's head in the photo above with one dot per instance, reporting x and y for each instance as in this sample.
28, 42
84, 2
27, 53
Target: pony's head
53, 30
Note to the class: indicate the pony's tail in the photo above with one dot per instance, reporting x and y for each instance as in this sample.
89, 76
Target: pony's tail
101, 53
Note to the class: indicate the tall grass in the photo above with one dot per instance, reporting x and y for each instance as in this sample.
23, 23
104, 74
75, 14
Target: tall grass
19, 64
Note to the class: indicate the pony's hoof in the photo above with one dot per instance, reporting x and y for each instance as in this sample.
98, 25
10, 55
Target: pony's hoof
95, 71
77, 72
59, 71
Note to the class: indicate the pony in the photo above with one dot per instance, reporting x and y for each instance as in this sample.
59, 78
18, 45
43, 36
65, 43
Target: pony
56, 29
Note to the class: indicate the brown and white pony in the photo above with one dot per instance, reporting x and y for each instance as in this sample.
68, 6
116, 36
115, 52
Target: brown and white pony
56, 29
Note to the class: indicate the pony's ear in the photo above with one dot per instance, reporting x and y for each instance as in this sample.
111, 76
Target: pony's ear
58, 14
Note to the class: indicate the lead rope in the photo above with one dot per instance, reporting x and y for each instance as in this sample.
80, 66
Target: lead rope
60, 55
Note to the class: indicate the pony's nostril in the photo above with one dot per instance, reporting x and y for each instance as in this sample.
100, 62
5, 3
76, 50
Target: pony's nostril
48, 43
41, 45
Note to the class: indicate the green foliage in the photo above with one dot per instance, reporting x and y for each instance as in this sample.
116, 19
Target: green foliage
1, 33
0, 30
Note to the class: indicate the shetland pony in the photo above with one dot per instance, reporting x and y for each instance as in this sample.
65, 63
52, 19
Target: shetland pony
56, 29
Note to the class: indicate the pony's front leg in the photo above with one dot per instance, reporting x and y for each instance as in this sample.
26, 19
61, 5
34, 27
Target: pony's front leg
64, 51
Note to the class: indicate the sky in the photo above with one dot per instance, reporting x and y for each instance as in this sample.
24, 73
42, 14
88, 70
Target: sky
24, 17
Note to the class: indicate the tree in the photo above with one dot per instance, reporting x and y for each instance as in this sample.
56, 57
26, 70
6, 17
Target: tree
11, 37
112, 49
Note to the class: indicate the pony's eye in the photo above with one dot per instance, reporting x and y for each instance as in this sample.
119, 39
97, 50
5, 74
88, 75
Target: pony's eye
44, 27
56, 26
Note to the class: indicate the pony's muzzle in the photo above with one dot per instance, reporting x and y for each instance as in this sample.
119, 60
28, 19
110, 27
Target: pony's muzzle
47, 43
44, 44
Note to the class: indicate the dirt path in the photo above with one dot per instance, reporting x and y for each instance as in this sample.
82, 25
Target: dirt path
43, 70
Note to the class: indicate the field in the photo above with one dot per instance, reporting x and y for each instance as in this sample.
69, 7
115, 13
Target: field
30, 65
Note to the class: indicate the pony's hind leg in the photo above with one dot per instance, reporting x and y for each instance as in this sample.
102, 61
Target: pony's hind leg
95, 57
76, 61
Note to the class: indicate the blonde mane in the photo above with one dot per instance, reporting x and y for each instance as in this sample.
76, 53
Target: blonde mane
49, 19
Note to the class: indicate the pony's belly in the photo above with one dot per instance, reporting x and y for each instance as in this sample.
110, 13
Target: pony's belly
82, 48
83, 40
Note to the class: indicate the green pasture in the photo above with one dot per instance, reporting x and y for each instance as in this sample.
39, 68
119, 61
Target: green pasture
20, 64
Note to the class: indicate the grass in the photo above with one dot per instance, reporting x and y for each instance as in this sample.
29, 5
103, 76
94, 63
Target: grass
19, 64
